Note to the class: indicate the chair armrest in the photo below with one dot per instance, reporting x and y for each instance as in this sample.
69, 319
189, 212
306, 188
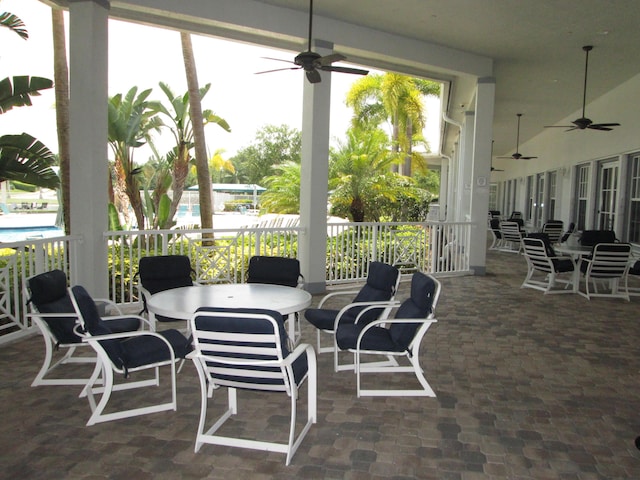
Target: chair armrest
367, 305
390, 304
430, 320
335, 294
109, 303
143, 320
115, 336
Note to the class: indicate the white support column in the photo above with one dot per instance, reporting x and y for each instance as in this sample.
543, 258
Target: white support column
314, 177
481, 173
465, 168
88, 81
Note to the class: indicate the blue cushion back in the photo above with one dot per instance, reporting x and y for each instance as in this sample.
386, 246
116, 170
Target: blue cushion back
418, 305
274, 270
249, 325
49, 295
96, 326
164, 272
380, 286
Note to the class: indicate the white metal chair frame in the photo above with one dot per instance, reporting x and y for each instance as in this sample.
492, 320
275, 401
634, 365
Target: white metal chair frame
554, 230
610, 264
270, 346
351, 293
51, 344
539, 261
391, 365
104, 375
511, 237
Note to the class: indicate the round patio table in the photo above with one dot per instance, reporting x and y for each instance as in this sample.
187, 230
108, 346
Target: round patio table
181, 303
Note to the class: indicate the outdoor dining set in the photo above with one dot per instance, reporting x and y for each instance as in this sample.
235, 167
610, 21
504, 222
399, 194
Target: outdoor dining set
561, 261
239, 337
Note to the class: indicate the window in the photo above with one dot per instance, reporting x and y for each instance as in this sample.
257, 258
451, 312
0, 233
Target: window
539, 204
551, 204
530, 198
634, 197
582, 194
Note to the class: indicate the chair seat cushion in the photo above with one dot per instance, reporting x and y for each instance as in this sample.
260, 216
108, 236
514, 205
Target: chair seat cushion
376, 339
322, 318
145, 349
562, 265
635, 269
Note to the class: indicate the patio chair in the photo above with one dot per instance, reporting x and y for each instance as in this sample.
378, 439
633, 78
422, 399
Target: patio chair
544, 266
553, 228
159, 273
608, 265
511, 237
590, 238
634, 271
277, 271
567, 234
246, 349
51, 309
380, 287
274, 270
494, 223
393, 338
125, 353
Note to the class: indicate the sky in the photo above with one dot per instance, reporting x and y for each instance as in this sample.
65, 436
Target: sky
143, 56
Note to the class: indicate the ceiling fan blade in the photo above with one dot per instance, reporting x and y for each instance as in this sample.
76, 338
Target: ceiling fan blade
527, 158
313, 76
600, 127
328, 59
277, 59
331, 68
605, 125
277, 70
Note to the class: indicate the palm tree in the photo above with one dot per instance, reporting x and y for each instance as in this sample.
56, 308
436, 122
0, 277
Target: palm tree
283, 189
61, 76
179, 115
23, 157
359, 171
397, 99
197, 120
131, 119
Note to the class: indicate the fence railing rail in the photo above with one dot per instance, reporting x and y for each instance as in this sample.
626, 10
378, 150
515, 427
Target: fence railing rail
222, 256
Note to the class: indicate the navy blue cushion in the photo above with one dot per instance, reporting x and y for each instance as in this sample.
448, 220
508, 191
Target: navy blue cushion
399, 335
164, 272
380, 286
49, 295
96, 326
563, 265
589, 238
147, 349
274, 270
635, 270
250, 325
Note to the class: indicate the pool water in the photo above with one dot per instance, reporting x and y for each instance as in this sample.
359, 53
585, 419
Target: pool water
18, 234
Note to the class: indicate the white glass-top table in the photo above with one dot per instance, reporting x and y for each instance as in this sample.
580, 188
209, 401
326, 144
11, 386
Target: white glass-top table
181, 303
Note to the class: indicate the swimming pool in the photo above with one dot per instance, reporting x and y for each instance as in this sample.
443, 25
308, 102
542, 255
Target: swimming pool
18, 234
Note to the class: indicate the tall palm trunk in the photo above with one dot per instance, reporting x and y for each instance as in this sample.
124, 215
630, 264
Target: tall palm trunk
61, 84
202, 166
409, 150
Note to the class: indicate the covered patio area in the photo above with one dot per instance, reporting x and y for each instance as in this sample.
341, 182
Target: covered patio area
528, 386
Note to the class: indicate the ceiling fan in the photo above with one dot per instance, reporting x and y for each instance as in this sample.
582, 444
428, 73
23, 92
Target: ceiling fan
584, 122
312, 62
518, 155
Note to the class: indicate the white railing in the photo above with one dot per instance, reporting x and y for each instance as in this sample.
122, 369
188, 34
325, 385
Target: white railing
222, 256
19, 261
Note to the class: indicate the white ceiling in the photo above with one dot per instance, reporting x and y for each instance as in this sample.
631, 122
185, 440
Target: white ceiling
535, 45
